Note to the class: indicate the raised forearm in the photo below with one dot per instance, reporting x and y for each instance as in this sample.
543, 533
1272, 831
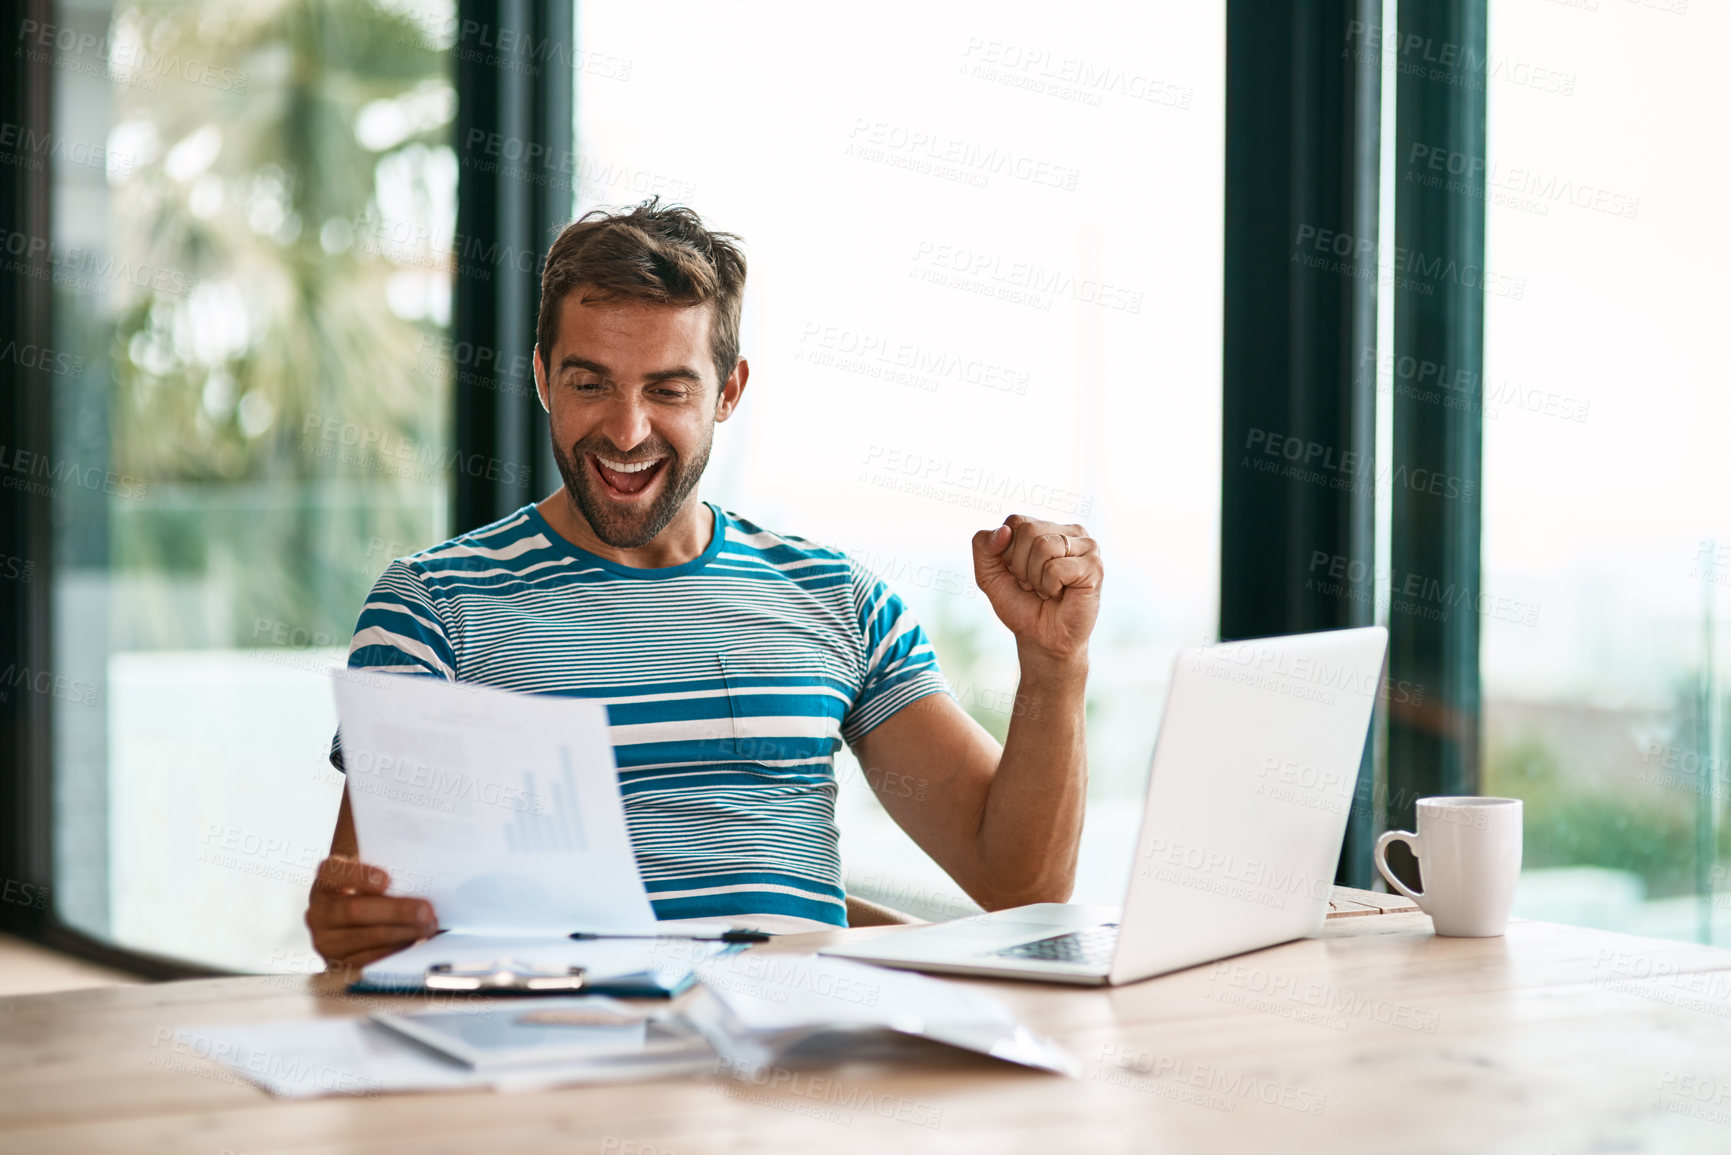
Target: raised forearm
1006, 822
1031, 826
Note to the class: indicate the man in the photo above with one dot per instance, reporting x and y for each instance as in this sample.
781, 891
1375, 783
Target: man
733, 660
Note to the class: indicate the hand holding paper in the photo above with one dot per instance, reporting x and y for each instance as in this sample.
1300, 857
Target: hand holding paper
352, 917
501, 809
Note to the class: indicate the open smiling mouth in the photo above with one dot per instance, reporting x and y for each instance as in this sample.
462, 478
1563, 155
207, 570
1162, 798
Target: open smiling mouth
625, 479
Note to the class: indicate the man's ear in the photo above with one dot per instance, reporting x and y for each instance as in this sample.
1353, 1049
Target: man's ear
731, 390
541, 380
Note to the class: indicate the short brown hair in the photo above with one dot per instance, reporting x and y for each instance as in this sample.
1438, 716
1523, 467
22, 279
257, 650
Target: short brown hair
664, 256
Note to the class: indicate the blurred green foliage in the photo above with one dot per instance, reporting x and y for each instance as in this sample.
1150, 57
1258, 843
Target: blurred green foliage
1646, 831
270, 192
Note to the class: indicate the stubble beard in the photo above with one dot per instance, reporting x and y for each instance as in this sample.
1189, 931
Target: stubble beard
619, 527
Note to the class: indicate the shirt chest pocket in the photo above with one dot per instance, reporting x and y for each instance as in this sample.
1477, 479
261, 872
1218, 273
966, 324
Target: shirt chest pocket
786, 704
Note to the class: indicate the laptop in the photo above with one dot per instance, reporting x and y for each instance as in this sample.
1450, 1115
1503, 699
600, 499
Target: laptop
1254, 771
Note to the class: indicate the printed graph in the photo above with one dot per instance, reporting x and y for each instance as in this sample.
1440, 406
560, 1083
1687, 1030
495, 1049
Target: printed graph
555, 826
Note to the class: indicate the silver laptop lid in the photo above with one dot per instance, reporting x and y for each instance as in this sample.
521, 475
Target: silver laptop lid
1253, 775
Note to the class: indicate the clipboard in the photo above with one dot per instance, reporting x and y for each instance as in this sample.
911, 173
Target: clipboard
527, 969
511, 981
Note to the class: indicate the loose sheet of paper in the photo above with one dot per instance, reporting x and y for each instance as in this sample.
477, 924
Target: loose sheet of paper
501, 809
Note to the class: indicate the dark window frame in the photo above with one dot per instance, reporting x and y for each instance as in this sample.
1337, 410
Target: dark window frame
1303, 133
1303, 139
1434, 746
500, 429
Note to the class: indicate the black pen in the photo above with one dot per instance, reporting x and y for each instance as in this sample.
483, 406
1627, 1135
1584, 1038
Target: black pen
724, 936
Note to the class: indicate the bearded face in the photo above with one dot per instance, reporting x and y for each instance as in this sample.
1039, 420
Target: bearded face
633, 400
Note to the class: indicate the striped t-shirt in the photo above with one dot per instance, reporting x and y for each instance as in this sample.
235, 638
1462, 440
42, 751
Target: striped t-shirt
730, 682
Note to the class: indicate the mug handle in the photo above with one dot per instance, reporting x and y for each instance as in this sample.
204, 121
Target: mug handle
1380, 855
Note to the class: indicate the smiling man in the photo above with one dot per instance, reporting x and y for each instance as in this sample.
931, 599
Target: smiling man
734, 660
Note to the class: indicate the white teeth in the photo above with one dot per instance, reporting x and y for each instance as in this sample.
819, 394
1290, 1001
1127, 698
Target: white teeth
620, 467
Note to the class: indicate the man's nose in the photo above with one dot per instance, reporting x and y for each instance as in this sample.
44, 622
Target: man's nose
626, 423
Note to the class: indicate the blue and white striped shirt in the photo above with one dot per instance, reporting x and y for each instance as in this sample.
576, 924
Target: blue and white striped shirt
730, 682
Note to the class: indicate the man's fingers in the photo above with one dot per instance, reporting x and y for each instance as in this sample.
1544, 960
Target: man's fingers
1022, 540
989, 549
1061, 573
366, 910
371, 942
1041, 543
340, 874
1022, 550
989, 545
1046, 548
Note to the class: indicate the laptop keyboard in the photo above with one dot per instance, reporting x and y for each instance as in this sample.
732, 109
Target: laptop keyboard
1090, 947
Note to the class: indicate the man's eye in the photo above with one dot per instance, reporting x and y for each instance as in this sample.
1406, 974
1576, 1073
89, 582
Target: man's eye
587, 386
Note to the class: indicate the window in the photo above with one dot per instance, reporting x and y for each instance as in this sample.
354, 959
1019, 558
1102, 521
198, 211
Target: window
1607, 531
253, 216
985, 278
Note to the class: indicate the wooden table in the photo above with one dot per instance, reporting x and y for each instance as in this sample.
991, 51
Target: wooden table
1373, 1036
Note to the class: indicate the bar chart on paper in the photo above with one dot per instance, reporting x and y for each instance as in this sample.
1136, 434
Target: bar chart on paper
554, 820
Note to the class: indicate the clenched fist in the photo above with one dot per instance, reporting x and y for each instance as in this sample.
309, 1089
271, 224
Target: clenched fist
1043, 580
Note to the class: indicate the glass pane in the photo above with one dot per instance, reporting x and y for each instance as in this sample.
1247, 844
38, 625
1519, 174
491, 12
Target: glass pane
253, 218
1607, 539
985, 278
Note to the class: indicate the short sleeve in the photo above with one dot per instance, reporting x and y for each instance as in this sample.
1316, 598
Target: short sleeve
900, 664
399, 632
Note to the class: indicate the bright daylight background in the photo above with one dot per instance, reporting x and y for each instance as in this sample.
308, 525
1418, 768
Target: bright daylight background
909, 386
1607, 201
937, 338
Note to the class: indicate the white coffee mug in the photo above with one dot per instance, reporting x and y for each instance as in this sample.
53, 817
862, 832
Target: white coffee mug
1469, 859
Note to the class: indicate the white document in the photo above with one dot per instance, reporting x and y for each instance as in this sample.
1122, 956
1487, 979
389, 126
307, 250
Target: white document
501, 809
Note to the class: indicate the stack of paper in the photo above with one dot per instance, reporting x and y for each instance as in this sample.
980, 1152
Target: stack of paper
759, 1005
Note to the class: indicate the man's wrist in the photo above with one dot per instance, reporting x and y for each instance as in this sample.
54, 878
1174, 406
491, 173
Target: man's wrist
1049, 669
